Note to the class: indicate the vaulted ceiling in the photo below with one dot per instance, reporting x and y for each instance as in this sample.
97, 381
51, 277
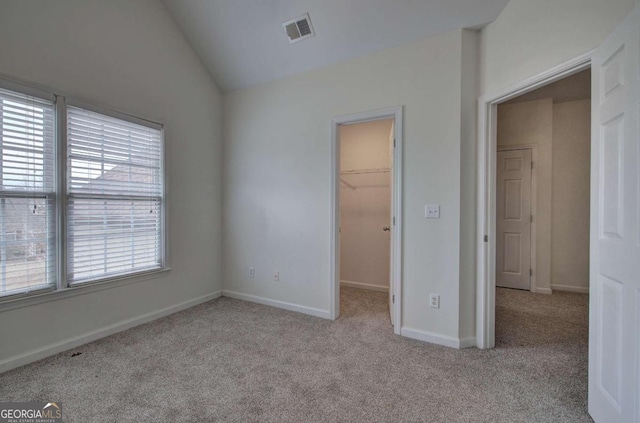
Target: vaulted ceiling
242, 42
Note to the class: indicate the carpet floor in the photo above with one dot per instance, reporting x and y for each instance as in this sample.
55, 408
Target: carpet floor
234, 361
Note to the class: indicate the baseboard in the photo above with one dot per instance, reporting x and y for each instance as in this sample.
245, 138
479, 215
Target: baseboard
468, 342
570, 288
278, 304
436, 338
58, 347
542, 291
362, 285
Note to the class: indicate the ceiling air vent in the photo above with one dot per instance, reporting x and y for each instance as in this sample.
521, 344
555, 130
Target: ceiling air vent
299, 29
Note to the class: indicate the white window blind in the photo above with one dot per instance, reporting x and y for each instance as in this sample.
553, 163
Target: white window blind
27, 194
114, 196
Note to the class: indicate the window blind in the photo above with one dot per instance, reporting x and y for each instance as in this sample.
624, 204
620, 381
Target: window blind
27, 194
114, 196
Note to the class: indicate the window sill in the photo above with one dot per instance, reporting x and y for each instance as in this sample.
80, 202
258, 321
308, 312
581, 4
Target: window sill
80, 289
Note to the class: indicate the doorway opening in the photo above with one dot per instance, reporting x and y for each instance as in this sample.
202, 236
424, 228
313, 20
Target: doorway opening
487, 196
542, 215
366, 153
366, 245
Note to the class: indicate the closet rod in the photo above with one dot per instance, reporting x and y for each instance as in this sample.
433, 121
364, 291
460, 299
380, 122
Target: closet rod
359, 171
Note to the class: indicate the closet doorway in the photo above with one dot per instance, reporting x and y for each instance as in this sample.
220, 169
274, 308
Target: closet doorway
367, 177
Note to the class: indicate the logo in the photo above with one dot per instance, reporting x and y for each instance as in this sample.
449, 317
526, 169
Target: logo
30, 412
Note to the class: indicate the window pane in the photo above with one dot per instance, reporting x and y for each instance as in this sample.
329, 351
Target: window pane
110, 237
27, 143
26, 244
114, 183
112, 156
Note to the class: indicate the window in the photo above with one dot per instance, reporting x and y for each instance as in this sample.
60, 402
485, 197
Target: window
76, 206
27, 196
114, 196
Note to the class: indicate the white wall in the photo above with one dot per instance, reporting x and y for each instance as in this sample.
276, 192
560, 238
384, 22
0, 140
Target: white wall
531, 123
533, 36
277, 189
129, 56
366, 208
571, 181
468, 142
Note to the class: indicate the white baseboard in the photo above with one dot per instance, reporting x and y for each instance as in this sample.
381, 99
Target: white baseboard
278, 304
363, 285
543, 291
468, 342
58, 347
436, 338
570, 288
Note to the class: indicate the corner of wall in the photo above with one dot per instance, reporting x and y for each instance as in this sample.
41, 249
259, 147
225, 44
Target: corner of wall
468, 154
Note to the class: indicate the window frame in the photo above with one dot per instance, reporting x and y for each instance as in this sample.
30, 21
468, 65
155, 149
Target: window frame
127, 118
52, 196
63, 287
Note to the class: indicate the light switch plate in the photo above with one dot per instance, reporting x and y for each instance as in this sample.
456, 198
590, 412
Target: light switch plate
432, 211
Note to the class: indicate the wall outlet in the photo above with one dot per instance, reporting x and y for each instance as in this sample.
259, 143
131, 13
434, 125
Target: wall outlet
432, 211
434, 301
276, 276
252, 272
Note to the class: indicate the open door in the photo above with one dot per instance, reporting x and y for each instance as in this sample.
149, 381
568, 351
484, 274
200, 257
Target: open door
391, 287
614, 318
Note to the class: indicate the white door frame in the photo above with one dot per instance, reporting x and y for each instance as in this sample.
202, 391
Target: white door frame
396, 233
486, 200
534, 204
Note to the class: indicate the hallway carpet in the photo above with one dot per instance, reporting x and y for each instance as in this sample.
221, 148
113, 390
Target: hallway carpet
234, 361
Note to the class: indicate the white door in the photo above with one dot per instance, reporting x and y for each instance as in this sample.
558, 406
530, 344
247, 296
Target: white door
513, 219
391, 287
614, 318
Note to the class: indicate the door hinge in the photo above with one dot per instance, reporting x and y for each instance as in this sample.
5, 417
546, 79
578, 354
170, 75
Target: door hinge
486, 238
394, 221
531, 165
530, 272
393, 299
394, 143
531, 220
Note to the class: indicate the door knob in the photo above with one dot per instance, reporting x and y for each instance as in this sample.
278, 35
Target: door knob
386, 229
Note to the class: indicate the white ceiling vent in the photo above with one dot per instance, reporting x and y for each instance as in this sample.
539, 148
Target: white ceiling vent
299, 29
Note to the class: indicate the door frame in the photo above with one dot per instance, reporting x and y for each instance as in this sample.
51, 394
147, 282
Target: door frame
486, 200
395, 284
534, 206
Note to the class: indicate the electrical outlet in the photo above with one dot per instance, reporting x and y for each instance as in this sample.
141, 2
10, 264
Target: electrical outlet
276, 276
434, 301
252, 272
432, 211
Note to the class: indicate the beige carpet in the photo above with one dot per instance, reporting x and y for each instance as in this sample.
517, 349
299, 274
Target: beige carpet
230, 360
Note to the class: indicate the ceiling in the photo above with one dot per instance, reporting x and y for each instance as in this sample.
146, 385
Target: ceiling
242, 42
